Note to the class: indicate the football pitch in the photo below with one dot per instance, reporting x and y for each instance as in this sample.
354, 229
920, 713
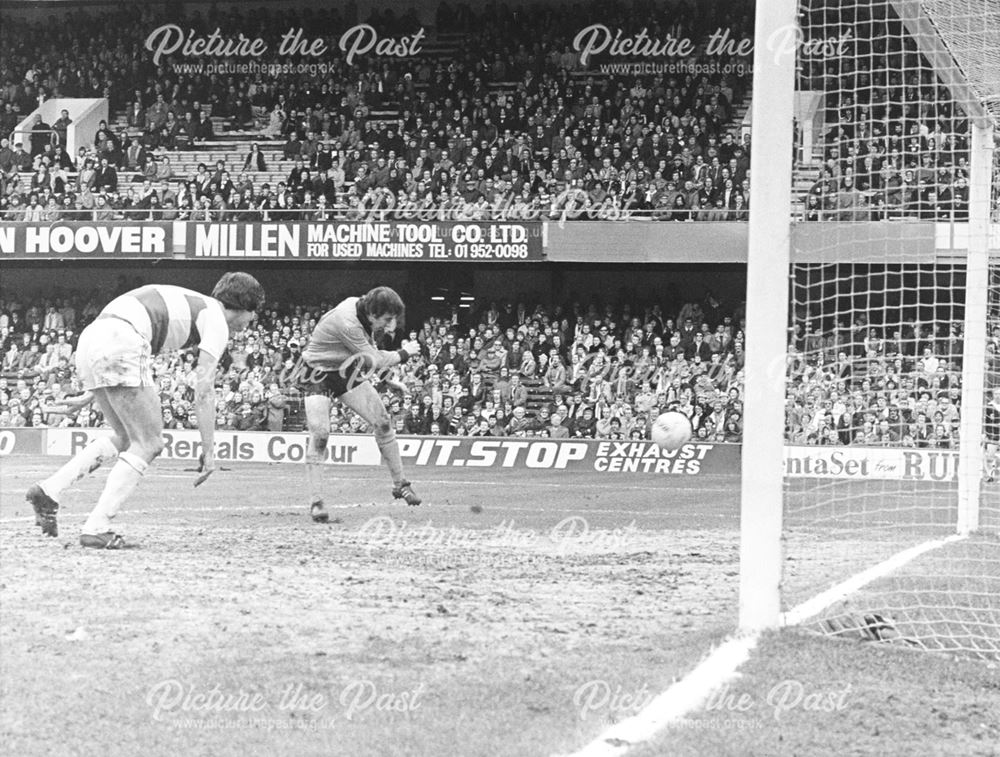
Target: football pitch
516, 612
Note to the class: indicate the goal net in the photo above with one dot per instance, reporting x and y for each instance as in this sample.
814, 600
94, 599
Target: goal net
891, 525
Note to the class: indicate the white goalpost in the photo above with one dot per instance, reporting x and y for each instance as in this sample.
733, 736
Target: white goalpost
976, 305
864, 509
761, 492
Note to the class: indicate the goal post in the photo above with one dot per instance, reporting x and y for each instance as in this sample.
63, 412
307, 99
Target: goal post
976, 306
864, 508
761, 496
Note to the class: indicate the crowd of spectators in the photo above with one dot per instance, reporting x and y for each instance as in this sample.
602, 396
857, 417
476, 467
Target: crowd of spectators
519, 369
504, 122
513, 370
895, 141
895, 385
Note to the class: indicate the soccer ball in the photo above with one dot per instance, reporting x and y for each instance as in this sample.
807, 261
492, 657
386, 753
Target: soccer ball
671, 430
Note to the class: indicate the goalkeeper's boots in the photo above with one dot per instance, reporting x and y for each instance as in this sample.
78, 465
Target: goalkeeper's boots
45, 510
405, 491
317, 511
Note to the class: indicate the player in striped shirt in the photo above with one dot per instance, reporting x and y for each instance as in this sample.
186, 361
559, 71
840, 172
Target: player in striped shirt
340, 361
113, 360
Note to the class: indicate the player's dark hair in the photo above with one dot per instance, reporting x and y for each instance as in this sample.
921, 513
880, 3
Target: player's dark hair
239, 291
384, 301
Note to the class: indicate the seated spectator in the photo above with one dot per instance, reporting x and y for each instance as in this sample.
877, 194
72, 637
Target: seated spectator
204, 129
518, 423
293, 147
164, 171
276, 123
106, 177
103, 211
135, 156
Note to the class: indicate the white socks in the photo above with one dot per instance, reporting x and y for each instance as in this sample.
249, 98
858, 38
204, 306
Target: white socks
122, 480
86, 461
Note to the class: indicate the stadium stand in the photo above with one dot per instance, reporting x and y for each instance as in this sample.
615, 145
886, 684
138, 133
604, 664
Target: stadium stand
605, 372
600, 371
895, 144
472, 125
482, 123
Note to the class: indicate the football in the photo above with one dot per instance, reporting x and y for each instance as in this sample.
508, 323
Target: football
671, 430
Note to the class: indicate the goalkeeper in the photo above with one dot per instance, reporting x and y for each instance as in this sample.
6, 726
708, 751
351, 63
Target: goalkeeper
339, 362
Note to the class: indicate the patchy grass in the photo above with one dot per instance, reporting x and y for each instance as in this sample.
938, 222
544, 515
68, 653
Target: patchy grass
515, 613
238, 626
804, 694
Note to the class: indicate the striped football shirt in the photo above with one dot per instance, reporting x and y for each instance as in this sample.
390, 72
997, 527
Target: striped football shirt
173, 318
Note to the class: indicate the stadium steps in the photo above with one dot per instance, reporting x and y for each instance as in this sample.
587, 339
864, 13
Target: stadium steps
232, 151
538, 393
740, 111
232, 147
443, 44
803, 177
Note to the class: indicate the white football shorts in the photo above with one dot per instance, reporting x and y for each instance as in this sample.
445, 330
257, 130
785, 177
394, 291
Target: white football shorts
112, 353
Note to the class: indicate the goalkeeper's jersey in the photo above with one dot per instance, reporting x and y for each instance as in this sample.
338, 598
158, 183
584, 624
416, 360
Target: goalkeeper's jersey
341, 334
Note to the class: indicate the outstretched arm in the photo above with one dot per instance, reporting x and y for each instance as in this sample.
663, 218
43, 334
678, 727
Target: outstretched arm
70, 404
204, 401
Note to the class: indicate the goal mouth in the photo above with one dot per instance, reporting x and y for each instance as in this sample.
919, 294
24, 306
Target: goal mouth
886, 527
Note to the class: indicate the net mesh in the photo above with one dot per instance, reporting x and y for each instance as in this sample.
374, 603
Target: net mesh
877, 334
970, 29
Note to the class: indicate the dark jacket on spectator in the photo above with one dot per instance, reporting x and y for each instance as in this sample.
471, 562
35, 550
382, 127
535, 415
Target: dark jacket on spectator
40, 136
135, 157
700, 348
250, 164
205, 129
106, 178
136, 117
292, 149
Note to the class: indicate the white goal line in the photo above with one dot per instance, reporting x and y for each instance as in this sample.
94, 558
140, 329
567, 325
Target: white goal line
686, 695
689, 693
814, 606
